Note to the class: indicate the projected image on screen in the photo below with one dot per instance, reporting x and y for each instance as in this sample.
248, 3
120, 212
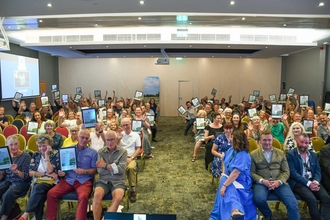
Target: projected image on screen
18, 74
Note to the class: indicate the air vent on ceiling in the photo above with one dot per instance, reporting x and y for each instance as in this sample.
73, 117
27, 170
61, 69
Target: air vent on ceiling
72, 38
208, 37
86, 37
275, 38
153, 36
247, 37
290, 39
45, 39
109, 37
222, 37
175, 37
261, 38
124, 37
141, 37
57, 39
193, 37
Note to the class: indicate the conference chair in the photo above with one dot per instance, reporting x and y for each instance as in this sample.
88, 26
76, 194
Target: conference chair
69, 197
277, 144
253, 144
23, 132
22, 141
318, 143
32, 144
246, 120
2, 140
0, 130
10, 119
10, 130
63, 131
19, 123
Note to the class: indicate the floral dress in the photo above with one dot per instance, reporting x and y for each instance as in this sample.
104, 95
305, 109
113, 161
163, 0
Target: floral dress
223, 146
291, 144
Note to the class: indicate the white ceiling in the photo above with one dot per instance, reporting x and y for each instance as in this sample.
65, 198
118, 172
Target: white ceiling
271, 28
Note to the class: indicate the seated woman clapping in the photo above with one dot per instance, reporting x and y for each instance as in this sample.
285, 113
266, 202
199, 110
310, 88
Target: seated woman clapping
234, 195
42, 169
255, 128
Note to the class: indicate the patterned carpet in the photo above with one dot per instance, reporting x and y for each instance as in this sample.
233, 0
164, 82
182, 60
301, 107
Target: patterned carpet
171, 184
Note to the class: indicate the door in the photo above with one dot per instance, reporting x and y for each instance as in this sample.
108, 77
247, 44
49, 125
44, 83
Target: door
42, 88
186, 92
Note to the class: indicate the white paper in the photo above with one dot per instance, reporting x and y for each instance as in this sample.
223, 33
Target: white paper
114, 168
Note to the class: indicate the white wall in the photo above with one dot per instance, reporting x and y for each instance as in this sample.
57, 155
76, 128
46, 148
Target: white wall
230, 76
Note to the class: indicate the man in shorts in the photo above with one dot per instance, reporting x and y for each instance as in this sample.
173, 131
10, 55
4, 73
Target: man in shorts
111, 166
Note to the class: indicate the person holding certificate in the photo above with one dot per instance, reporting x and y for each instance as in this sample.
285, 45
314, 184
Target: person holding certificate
111, 166
43, 169
14, 181
78, 179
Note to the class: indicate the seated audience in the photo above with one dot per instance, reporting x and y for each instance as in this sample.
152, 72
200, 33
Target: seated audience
234, 195
296, 129
111, 166
47, 112
145, 126
62, 122
38, 117
208, 110
3, 118
210, 134
79, 180
97, 137
15, 181
190, 116
153, 127
277, 127
228, 114
73, 139
324, 126
130, 141
324, 158
237, 123
270, 172
255, 128
305, 178
221, 144
57, 140
263, 119
199, 133
44, 163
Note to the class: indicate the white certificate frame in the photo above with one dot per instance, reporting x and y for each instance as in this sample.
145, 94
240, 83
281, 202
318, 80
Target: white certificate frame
44, 101
136, 125
282, 98
303, 100
17, 97
277, 110
97, 94
78, 90
308, 126
252, 112
291, 91
195, 102
256, 93
101, 103
272, 98
65, 98
182, 110
77, 98
251, 99
5, 158
151, 119
327, 107
200, 123
214, 92
32, 127
138, 95
89, 117
57, 95
68, 159
54, 88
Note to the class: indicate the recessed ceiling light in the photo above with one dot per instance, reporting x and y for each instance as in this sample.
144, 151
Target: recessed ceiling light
8, 26
40, 21
141, 2
228, 46
190, 46
266, 47
70, 47
212, 56
321, 4
152, 56
190, 23
107, 46
145, 46
185, 56
243, 18
323, 43
284, 25
95, 25
49, 5
139, 18
124, 56
232, 2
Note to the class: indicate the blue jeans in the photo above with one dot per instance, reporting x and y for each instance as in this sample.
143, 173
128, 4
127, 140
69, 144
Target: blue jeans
190, 123
283, 192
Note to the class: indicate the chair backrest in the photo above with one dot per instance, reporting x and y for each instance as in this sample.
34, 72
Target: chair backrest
318, 143
63, 138
55, 114
19, 123
23, 132
31, 144
2, 140
20, 117
0, 130
10, 119
63, 131
277, 144
22, 142
253, 144
10, 130
246, 119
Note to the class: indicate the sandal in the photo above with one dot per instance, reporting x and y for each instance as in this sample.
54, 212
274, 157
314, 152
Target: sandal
193, 159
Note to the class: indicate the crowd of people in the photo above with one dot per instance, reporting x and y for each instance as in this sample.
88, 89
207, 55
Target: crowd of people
106, 155
248, 178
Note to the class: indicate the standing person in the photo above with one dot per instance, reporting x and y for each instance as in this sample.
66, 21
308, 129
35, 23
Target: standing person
44, 163
3, 118
234, 196
270, 172
130, 141
305, 178
111, 166
190, 117
79, 180
15, 181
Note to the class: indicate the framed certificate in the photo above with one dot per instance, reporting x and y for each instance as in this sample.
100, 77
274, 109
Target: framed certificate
138, 95
303, 100
213, 92
104, 112
252, 98
327, 107
136, 125
68, 158
151, 119
182, 110
44, 101
32, 127
252, 112
309, 125
57, 95
200, 123
101, 103
282, 98
78, 90
97, 94
54, 87
272, 98
210, 101
88, 116
5, 158
43, 94
277, 110
65, 98
195, 102
256, 93
290, 91
77, 98
17, 97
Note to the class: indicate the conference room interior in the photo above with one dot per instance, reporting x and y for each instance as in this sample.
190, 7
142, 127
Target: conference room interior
195, 68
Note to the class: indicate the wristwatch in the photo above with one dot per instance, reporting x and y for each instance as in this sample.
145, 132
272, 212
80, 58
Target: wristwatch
132, 157
85, 171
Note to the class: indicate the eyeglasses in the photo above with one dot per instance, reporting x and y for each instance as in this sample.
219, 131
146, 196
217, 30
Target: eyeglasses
74, 131
124, 125
41, 139
111, 139
82, 137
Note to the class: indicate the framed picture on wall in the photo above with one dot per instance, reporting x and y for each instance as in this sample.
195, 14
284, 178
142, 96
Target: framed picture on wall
309, 125
138, 95
252, 99
256, 93
327, 107
252, 112
57, 95
290, 91
282, 98
303, 100
195, 102
17, 97
97, 94
65, 98
213, 92
272, 98
277, 110
78, 90
182, 110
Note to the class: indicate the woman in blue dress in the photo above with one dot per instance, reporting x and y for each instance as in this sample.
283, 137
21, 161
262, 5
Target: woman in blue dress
234, 196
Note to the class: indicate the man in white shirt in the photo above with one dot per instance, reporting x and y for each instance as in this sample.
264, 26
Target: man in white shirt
130, 141
97, 137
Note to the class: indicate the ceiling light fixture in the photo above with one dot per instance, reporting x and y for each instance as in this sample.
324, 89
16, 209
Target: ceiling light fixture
95, 25
190, 23
40, 21
107, 46
228, 46
321, 4
243, 18
141, 2
284, 25
190, 46
232, 2
49, 5
266, 47
139, 18
70, 47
